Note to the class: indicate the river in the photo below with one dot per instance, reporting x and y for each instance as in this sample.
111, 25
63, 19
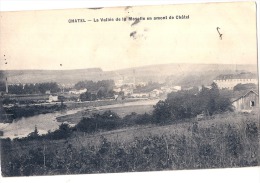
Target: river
48, 122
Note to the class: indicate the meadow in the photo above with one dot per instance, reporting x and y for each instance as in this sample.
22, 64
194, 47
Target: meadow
225, 140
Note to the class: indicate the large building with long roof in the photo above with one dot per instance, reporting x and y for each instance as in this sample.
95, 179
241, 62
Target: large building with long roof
228, 81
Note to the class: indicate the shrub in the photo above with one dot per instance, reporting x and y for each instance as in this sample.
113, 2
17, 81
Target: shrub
251, 131
143, 119
233, 142
106, 121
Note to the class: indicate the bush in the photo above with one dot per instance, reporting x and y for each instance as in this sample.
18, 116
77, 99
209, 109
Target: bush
143, 119
106, 121
64, 131
233, 142
251, 131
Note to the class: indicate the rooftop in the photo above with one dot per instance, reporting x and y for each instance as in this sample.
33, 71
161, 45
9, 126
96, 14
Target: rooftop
242, 75
251, 91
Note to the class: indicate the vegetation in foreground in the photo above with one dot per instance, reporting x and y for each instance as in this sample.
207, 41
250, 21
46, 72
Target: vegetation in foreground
215, 143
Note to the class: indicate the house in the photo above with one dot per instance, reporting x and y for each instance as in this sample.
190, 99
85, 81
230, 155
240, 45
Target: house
127, 91
74, 91
187, 88
169, 89
48, 92
119, 83
140, 95
176, 88
155, 93
53, 98
117, 90
228, 81
83, 90
247, 102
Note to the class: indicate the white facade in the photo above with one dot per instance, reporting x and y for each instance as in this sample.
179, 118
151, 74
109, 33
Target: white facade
140, 95
230, 83
155, 93
117, 90
177, 88
77, 91
53, 98
48, 92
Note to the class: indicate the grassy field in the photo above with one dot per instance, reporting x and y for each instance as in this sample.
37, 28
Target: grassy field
227, 140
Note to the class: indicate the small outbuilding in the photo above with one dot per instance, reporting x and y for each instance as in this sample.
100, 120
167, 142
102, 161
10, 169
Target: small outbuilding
247, 102
53, 98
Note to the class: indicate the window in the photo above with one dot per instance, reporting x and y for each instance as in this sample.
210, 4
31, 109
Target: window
252, 103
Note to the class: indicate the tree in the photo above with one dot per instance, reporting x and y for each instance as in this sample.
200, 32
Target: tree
106, 121
34, 134
101, 93
87, 96
186, 104
162, 112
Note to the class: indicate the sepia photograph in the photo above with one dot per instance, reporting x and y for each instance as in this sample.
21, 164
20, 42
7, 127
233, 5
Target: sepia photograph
129, 89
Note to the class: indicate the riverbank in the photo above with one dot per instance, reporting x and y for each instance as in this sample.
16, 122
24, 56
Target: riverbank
73, 114
122, 109
26, 110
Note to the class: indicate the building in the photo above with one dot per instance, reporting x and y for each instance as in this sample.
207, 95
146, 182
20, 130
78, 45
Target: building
53, 98
119, 83
155, 93
117, 90
140, 95
247, 102
230, 80
127, 91
169, 89
176, 88
78, 92
48, 92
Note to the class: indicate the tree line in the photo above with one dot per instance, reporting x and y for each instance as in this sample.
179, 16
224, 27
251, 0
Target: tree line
95, 86
188, 104
147, 88
96, 90
37, 88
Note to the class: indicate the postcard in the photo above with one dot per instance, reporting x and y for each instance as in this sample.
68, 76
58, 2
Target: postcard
129, 89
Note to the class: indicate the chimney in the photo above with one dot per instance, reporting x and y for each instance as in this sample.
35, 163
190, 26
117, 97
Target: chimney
134, 78
6, 85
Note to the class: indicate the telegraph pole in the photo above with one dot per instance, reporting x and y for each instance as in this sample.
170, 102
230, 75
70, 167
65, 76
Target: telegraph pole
6, 86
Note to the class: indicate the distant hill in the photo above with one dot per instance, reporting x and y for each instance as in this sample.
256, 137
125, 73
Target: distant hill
179, 74
59, 76
185, 74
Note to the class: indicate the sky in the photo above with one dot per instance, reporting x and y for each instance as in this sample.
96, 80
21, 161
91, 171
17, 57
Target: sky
45, 39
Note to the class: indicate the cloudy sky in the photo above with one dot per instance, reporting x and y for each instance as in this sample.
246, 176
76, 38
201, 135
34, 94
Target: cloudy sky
45, 39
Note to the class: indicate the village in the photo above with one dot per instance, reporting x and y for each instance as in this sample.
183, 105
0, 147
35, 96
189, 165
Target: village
129, 88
